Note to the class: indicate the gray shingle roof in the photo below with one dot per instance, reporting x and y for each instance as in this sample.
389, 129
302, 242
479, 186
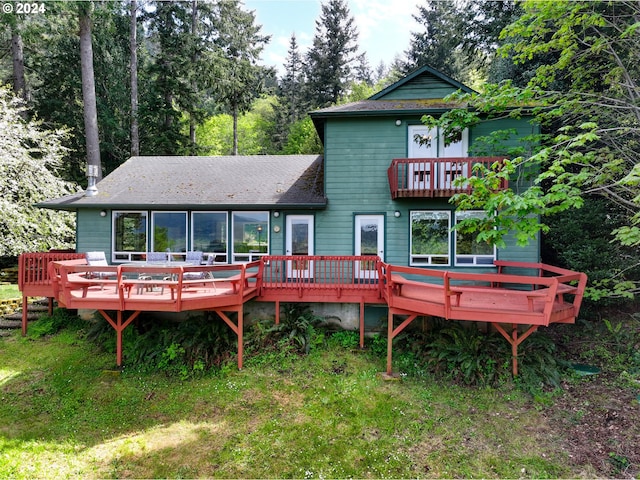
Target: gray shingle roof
205, 182
388, 107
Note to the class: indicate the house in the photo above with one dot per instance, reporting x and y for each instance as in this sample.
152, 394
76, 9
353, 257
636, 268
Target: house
382, 187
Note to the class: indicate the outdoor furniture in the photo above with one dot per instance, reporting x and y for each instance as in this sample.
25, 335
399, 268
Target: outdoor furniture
156, 257
194, 257
152, 257
99, 259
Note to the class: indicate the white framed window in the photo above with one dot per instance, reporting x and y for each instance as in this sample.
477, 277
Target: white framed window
250, 235
168, 231
209, 233
468, 252
129, 242
425, 142
430, 238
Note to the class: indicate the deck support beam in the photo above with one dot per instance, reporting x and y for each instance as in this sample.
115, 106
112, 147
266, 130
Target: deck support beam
515, 340
119, 327
394, 332
362, 323
238, 329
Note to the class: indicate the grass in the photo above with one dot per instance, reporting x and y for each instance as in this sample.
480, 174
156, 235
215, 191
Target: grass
327, 414
9, 291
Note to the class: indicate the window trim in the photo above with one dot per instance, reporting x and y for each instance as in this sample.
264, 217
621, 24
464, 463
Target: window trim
244, 257
477, 260
426, 260
226, 234
152, 229
118, 256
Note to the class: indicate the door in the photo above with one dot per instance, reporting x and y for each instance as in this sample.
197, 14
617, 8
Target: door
299, 241
369, 240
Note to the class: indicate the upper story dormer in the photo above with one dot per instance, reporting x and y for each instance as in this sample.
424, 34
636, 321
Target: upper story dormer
384, 135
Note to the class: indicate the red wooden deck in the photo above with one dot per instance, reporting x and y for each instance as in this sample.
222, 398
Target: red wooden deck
518, 294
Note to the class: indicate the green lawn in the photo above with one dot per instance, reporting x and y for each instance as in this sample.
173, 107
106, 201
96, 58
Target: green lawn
326, 415
9, 291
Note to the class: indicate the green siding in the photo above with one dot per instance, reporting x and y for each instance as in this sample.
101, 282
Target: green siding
421, 87
94, 232
358, 152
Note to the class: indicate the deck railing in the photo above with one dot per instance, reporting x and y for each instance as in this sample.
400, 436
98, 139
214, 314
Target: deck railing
316, 272
433, 177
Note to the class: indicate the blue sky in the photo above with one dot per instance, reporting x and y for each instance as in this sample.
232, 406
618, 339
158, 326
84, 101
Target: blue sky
384, 26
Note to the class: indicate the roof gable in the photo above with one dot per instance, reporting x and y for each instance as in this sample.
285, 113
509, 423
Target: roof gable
424, 82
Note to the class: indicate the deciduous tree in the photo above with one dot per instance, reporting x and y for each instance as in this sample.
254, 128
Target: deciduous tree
29, 158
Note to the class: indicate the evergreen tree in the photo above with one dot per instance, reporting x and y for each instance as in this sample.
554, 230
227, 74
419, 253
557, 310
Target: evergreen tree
331, 60
290, 105
241, 43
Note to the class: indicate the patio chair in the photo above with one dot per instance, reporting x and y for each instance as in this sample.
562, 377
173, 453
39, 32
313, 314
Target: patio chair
99, 259
156, 257
194, 257
199, 275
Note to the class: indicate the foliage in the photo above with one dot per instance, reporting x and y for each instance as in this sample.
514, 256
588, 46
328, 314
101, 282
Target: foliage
328, 62
581, 241
344, 339
459, 38
30, 156
454, 351
302, 139
215, 135
183, 348
60, 319
296, 334
583, 97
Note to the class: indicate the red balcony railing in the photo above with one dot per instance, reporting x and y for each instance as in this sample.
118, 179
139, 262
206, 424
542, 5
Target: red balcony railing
433, 177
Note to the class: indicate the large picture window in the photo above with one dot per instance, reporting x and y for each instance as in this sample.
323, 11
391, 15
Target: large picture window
169, 231
209, 234
468, 251
129, 235
250, 235
430, 238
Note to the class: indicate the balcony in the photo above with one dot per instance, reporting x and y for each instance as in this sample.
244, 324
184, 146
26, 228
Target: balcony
433, 177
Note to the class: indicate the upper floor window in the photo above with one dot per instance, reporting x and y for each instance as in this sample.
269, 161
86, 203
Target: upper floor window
469, 252
425, 142
430, 238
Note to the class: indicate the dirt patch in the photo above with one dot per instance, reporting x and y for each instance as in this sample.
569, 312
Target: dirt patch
599, 415
601, 424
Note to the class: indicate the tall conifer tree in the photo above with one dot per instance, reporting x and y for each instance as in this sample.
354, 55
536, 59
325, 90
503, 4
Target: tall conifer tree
331, 60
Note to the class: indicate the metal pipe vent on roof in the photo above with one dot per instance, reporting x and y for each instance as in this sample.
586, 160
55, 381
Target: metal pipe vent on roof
92, 175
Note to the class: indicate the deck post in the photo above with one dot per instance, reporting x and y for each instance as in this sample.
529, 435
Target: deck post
514, 348
362, 323
24, 315
389, 340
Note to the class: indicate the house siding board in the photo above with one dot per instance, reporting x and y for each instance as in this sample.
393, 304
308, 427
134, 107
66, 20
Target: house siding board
363, 147
93, 232
423, 86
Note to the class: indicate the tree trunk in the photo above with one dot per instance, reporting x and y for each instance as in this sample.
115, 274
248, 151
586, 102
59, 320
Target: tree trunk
17, 53
89, 93
235, 129
194, 59
133, 45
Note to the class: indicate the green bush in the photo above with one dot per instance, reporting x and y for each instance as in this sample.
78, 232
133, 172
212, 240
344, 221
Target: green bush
51, 324
184, 349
